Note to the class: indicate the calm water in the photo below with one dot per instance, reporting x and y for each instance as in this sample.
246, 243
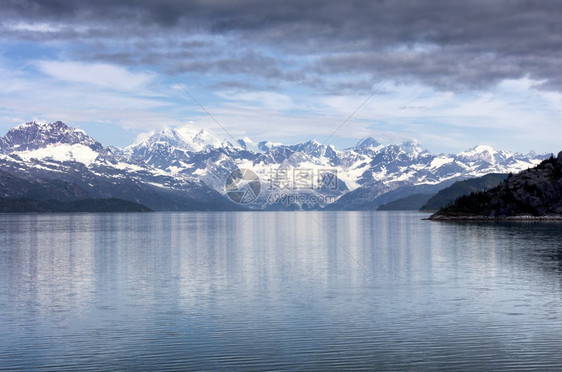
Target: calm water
211, 291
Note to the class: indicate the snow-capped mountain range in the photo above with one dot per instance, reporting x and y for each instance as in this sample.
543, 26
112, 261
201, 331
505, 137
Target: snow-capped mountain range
186, 168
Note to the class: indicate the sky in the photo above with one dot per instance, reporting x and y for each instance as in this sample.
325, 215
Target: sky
450, 74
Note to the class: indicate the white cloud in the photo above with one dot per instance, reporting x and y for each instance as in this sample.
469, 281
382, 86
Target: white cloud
267, 100
33, 27
97, 74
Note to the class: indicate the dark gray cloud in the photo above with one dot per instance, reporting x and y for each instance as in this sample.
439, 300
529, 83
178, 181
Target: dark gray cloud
455, 45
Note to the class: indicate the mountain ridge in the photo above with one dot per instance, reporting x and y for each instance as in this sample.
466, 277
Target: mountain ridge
192, 164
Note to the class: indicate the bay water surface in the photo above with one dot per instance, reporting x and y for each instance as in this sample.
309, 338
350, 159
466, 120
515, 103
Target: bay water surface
278, 291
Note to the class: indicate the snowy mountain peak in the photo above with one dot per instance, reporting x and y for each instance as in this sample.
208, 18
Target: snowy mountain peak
367, 142
167, 135
205, 140
248, 144
268, 145
413, 146
312, 144
185, 138
479, 149
483, 152
313, 148
34, 135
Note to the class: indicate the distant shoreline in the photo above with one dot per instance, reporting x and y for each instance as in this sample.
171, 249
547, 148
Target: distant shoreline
488, 218
108, 205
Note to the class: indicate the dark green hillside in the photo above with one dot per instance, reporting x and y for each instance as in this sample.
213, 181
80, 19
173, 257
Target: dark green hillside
408, 203
535, 192
448, 195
